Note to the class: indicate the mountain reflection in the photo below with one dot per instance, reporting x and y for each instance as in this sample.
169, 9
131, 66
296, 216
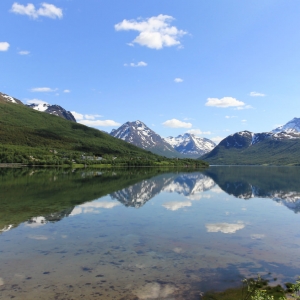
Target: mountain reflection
38, 197
188, 184
282, 184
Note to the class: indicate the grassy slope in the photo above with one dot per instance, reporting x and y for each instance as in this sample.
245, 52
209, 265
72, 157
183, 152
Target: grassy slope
22, 126
267, 152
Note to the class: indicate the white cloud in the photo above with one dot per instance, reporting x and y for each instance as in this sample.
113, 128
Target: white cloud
224, 102
256, 94
198, 132
155, 32
139, 64
175, 205
96, 123
4, 46
43, 90
77, 116
67, 91
91, 120
174, 123
244, 121
92, 117
178, 80
46, 10
217, 139
36, 101
230, 117
224, 227
243, 107
24, 52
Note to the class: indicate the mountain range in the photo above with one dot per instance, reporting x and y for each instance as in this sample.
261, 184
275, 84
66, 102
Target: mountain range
136, 133
27, 133
140, 135
280, 146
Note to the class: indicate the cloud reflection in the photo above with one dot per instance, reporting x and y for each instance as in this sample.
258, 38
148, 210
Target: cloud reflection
257, 236
93, 207
155, 291
175, 205
224, 227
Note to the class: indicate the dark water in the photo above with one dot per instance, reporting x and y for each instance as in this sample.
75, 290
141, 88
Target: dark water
145, 233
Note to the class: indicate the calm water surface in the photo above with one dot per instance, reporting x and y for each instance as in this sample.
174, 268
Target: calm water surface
145, 233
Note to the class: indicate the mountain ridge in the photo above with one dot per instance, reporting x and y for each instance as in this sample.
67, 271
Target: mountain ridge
279, 146
140, 135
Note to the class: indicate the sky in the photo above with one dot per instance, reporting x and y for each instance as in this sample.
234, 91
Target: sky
211, 68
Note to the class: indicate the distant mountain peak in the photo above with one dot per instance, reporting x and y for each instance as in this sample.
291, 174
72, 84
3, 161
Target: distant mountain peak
191, 145
291, 126
55, 110
7, 98
140, 135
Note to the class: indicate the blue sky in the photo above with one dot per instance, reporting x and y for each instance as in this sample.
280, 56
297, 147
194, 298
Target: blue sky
208, 67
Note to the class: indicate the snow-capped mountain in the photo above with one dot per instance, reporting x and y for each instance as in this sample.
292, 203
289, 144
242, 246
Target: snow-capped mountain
187, 145
244, 139
53, 110
190, 185
279, 146
191, 145
44, 107
140, 135
291, 126
7, 98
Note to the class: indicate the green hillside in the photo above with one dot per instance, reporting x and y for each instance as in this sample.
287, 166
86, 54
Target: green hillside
268, 152
29, 136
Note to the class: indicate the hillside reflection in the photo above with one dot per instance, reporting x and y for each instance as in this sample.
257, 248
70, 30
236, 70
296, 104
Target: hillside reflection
282, 184
41, 196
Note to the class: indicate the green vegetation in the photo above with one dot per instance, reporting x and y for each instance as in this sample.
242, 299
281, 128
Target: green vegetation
268, 152
258, 289
34, 138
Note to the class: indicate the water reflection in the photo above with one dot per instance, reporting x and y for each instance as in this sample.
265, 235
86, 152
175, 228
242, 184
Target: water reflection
282, 184
62, 192
145, 234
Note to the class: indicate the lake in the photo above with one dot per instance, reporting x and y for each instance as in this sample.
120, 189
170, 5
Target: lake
145, 233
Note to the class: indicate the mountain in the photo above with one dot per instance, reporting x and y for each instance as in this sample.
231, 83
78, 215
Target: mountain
292, 126
140, 135
6, 98
47, 108
29, 131
190, 145
55, 110
280, 146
